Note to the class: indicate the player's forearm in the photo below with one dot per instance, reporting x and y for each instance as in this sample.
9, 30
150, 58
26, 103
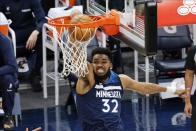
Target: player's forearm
150, 88
81, 84
188, 85
141, 87
188, 95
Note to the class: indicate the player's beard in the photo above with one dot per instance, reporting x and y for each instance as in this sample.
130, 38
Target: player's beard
102, 78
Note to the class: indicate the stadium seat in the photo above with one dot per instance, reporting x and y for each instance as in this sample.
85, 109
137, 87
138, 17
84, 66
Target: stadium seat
171, 41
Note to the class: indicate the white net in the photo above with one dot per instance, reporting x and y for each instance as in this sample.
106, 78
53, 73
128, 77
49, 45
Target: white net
73, 42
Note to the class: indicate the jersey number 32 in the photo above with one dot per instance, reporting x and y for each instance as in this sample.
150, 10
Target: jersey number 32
107, 103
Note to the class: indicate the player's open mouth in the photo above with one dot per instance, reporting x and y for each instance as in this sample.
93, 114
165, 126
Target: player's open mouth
100, 71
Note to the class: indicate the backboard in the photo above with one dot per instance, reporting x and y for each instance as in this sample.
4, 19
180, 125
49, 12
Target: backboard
97, 7
138, 22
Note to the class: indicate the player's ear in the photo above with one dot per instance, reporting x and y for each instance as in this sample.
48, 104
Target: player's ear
111, 65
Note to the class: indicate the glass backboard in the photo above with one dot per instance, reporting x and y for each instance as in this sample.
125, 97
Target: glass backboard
138, 22
97, 7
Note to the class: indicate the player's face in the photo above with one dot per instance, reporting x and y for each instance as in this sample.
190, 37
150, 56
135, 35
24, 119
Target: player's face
101, 64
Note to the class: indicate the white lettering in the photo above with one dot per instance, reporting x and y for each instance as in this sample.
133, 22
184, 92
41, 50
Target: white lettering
188, 7
108, 94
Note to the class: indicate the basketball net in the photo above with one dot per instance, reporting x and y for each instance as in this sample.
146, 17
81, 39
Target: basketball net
73, 39
74, 51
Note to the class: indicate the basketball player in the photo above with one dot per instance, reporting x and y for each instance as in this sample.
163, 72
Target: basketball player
8, 80
190, 101
99, 93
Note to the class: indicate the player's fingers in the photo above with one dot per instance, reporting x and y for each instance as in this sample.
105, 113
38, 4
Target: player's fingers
181, 92
186, 111
28, 44
33, 44
186, 114
190, 111
27, 129
182, 95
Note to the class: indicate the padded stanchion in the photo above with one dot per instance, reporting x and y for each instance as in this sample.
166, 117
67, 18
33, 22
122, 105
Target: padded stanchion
176, 12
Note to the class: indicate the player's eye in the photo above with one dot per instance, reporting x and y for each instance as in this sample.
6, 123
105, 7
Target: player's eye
104, 62
95, 62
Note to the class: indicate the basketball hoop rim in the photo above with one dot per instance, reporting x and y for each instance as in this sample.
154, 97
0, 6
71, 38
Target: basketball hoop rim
98, 22
109, 22
101, 20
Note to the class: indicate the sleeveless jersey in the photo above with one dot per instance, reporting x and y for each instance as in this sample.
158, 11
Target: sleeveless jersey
100, 108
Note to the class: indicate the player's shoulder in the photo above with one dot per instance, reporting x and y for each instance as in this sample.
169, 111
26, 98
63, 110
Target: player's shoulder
126, 80
123, 77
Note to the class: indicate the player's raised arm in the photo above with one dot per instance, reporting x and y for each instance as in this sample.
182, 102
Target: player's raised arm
85, 83
146, 88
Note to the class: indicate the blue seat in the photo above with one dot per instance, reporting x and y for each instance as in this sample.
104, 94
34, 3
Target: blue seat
170, 65
171, 39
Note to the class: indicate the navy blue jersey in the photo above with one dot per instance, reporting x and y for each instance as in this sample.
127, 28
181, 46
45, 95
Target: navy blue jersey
23, 13
8, 63
100, 108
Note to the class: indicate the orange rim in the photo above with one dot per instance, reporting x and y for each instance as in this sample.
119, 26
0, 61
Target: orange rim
109, 19
109, 23
65, 22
